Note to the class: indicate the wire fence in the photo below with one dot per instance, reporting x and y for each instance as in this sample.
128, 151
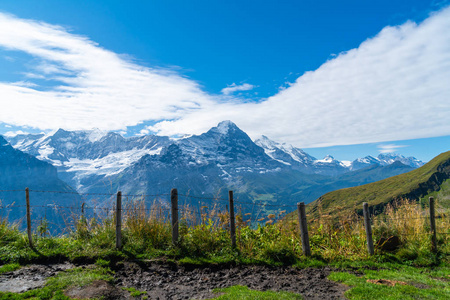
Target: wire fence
193, 210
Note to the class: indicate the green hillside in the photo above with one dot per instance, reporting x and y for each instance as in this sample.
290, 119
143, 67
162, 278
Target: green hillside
412, 185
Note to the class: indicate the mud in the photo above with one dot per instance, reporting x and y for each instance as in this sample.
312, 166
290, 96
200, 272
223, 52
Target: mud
165, 281
99, 289
162, 280
30, 277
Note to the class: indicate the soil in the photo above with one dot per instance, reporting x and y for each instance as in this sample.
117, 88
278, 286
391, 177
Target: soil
171, 281
162, 280
30, 277
99, 289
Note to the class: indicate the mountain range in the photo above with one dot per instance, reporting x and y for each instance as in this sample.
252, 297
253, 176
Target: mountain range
209, 164
18, 171
432, 179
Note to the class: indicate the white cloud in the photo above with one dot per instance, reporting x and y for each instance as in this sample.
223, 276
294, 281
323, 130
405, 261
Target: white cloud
234, 88
92, 87
389, 148
394, 86
14, 133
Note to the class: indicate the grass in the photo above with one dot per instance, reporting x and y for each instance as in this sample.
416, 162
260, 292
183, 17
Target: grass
410, 283
377, 193
133, 292
9, 268
339, 242
244, 293
443, 196
148, 236
55, 286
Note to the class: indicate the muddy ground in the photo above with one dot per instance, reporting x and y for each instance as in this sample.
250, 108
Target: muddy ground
163, 280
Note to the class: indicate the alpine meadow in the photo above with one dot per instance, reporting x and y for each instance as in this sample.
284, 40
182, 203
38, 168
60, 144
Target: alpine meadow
211, 150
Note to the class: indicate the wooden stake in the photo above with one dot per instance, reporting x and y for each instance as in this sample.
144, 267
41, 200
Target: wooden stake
303, 228
174, 202
232, 220
368, 227
433, 225
27, 196
119, 221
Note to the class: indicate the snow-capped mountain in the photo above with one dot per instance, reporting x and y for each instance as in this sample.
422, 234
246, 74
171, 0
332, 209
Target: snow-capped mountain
385, 160
286, 154
80, 155
228, 147
221, 158
297, 158
390, 158
224, 157
18, 171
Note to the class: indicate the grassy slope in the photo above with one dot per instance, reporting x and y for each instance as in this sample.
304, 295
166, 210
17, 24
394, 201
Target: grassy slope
412, 283
379, 192
442, 196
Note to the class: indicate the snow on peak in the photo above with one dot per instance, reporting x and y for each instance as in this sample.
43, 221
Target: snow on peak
271, 148
326, 159
224, 126
346, 163
266, 143
96, 135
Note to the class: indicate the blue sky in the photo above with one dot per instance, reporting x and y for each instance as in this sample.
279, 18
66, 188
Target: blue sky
320, 75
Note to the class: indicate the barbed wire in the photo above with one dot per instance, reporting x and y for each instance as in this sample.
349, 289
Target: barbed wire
203, 198
144, 195
372, 218
422, 233
73, 193
396, 219
385, 219
263, 204
419, 233
51, 206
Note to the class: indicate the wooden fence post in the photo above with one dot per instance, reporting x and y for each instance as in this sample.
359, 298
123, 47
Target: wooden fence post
174, 202
119, 221
433, 225
368, 227
30, 239
232, 220
83, 220
303, 228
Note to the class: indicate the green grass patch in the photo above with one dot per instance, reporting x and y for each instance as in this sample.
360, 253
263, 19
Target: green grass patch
9, 268
421, 283
244, 293
133, 292
55, 286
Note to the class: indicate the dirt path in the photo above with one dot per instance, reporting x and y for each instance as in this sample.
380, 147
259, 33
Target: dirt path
170, 281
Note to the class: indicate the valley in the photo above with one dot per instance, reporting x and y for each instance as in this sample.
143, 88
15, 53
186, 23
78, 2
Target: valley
224, 158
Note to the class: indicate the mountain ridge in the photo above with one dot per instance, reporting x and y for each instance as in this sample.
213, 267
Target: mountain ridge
110, 153
411, 185
222, 158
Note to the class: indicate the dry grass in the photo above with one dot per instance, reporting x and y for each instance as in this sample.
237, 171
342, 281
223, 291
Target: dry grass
205, 232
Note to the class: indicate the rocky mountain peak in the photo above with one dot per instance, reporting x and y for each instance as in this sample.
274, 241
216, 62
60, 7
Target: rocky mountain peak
3, 142
225, 127
60, 133
266, 143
